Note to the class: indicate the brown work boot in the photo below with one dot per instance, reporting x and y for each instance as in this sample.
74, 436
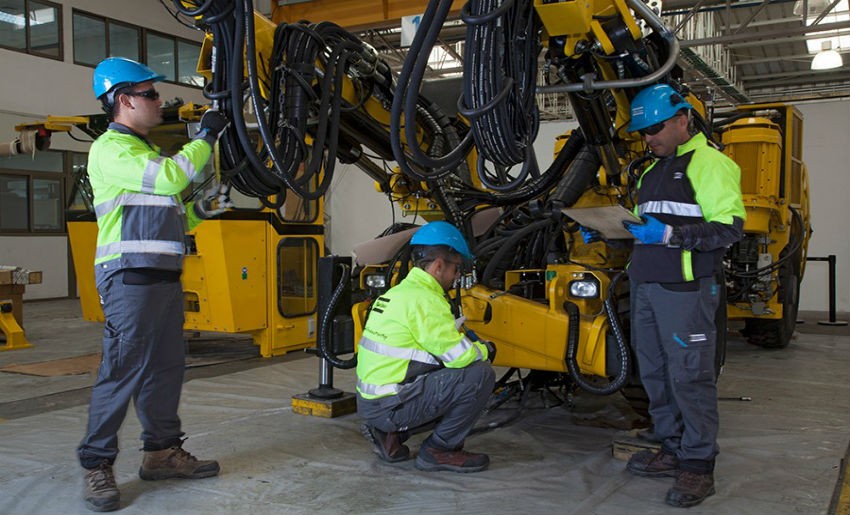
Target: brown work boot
431, 459
650, 463
175, 462
690, 489
388, 446
100, 491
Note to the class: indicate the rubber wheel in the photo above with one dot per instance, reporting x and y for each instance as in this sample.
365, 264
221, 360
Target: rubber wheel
777, 334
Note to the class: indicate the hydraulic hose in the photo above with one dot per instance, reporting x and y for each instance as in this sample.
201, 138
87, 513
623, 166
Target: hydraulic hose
622, 345
324, 348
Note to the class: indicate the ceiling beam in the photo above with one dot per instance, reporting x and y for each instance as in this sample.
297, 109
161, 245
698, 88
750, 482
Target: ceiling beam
811, 75
353, 14
772, 59
768, 34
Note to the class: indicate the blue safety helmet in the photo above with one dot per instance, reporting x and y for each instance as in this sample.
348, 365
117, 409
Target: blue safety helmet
655, 104
442, 233
114, 72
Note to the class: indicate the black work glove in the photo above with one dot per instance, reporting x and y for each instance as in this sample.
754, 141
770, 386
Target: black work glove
213, 124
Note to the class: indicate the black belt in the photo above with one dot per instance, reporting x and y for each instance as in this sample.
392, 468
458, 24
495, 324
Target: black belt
141, 276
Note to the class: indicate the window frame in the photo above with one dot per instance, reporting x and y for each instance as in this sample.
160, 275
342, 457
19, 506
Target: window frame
28, 31
31, 176
143, 33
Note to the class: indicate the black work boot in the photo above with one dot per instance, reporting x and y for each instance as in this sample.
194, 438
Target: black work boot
100, 491
175, 462
388, 446
650, 463
431, 459
690, 489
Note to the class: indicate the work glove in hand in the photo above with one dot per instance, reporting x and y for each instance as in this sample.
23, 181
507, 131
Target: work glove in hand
589, 235
214, 203
213, 124
650, 231
491, 350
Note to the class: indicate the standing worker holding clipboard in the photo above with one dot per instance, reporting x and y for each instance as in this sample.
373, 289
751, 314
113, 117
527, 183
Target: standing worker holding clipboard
691, 210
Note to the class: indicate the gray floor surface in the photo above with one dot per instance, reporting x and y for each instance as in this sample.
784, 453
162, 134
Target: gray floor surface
780, 451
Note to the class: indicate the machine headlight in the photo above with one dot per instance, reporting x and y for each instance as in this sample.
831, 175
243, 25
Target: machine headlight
376, 281
585, 288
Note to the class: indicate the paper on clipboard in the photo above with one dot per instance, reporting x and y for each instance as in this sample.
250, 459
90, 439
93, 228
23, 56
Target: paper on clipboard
608, 220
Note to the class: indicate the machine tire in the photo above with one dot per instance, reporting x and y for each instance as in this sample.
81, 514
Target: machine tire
777, 334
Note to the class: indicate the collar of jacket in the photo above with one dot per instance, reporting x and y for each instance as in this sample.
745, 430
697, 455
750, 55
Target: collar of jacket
422, 278
697, 140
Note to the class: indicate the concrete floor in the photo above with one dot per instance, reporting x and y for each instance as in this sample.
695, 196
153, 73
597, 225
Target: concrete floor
781, 452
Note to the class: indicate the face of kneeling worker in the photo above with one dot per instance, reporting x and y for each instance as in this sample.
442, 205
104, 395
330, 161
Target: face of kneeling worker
446, 271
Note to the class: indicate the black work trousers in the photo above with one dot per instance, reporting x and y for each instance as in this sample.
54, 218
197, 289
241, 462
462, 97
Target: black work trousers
674, 337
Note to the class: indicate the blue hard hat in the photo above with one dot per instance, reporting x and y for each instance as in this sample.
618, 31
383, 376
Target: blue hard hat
113, 72
442, 233
655, 104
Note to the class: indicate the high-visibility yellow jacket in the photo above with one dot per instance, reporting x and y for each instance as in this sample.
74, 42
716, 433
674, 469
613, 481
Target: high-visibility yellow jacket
698, 192
410, 332
141, 218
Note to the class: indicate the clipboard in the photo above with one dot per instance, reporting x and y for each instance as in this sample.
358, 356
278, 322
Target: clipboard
608, 220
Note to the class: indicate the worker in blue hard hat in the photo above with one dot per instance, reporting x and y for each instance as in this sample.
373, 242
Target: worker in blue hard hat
141, 223
690, 204
416, 368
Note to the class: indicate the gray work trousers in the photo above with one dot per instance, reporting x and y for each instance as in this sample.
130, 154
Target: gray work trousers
143, 361
674, 337
450, 398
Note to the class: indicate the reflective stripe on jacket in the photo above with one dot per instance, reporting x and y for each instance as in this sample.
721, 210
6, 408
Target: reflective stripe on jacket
140, 217
699, 191
411, 331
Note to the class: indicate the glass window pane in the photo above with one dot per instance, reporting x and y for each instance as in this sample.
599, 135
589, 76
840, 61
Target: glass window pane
160, 55
44, 28
297, 258
39, 162
187, 63
13, 24
46, 204
89, 39
14, 209
123, 41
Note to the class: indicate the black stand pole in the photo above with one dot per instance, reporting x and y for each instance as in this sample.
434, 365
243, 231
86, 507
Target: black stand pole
832, 321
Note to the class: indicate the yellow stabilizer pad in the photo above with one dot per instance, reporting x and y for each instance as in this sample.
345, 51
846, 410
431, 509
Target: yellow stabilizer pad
306, 404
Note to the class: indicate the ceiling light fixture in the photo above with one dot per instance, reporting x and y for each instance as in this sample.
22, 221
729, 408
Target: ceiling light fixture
827, 58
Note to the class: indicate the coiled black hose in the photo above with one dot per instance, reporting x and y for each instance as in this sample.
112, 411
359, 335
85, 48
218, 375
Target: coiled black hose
323, 346
622, 344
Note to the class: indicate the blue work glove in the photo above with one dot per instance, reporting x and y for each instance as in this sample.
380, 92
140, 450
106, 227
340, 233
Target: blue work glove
651, 231
589, 235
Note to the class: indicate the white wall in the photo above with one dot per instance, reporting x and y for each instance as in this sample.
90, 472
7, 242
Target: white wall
34, 87
826, 152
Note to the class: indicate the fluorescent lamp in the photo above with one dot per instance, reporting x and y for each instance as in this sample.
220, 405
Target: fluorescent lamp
827, 58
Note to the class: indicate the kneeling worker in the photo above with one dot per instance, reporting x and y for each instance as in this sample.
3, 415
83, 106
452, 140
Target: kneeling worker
414, 367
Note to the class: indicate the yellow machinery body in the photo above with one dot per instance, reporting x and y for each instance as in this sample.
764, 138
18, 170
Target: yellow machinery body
240, 276
767, 142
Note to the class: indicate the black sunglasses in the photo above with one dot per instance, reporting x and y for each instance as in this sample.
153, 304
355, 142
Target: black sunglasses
652, 130
150, 94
